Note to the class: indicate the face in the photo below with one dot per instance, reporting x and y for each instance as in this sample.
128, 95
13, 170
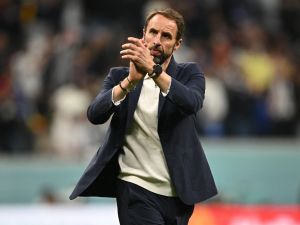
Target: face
160, 37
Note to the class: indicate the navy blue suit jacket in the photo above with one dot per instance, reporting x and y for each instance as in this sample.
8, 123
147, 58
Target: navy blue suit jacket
177, 129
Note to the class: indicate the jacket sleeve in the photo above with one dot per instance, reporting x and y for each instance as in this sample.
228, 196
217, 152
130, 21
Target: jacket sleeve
102, 107
188, 93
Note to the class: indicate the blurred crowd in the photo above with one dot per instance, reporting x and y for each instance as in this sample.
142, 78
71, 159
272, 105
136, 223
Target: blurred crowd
54, 55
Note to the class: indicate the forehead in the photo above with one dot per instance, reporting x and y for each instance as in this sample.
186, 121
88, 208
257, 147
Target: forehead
161, 23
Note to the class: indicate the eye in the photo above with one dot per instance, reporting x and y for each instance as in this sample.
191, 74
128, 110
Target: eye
167, 36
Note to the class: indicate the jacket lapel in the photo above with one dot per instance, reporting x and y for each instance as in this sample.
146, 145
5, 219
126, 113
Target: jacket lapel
171, 70
133, 98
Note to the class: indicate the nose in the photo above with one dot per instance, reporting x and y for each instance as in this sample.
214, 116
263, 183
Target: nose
157, 40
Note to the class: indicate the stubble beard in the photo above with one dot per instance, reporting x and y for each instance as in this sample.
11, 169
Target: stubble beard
162, 57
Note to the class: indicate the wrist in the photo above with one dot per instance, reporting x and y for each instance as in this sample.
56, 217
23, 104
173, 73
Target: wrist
156, 71
127, 85
123, 88
131, 83
150, 70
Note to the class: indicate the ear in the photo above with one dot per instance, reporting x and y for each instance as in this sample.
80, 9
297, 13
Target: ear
177, 44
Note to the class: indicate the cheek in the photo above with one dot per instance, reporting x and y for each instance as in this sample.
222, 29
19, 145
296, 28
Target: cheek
146, 39
169, 48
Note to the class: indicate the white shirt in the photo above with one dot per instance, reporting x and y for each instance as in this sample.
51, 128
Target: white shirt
143, 161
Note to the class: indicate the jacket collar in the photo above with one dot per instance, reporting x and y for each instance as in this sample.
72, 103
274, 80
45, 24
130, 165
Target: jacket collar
172, 67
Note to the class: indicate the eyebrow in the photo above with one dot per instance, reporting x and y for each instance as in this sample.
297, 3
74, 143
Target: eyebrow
164, 33
153, 29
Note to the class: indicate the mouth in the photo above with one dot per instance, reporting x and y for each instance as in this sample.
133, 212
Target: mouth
155, 52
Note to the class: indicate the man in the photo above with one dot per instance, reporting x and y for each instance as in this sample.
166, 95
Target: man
151, 159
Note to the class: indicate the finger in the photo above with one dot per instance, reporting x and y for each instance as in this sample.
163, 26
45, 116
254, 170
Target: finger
129, 46
133, 58
138, 42
127, 51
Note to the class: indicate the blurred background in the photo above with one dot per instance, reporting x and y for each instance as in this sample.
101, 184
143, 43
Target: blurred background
54, 55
